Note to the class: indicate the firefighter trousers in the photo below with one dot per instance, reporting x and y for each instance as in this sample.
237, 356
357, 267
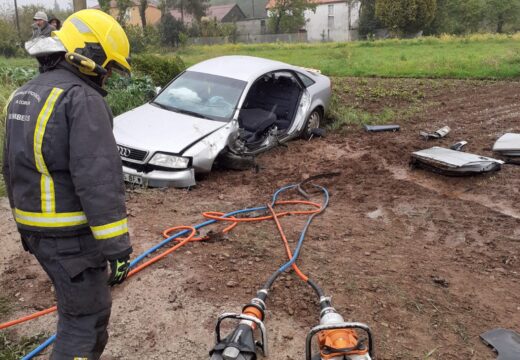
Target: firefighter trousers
78, 271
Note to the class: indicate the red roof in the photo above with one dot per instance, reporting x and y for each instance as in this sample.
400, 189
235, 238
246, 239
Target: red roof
188, 18
219, 11
113, 4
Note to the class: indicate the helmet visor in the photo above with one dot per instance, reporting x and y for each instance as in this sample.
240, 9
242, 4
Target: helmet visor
116, 67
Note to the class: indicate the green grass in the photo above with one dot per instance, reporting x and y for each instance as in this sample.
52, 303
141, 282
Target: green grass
5, 307
14, 349
16, 62
474, 57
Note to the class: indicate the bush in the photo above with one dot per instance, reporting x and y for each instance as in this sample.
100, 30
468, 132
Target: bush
141, 40
8, 41
170, 30
16, 76
126, 93
160, 68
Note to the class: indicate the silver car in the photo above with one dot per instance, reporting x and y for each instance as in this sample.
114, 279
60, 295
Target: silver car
224, 110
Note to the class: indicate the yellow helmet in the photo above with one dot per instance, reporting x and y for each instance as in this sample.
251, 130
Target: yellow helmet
97, 36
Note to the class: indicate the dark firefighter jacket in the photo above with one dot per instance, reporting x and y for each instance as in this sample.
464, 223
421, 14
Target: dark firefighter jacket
61, 165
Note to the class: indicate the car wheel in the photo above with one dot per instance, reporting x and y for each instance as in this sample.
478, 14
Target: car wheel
232, 161
312, 123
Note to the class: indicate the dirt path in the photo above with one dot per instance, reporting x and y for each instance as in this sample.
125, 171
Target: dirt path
429, 262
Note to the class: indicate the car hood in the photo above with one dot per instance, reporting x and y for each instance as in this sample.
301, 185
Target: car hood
151, 128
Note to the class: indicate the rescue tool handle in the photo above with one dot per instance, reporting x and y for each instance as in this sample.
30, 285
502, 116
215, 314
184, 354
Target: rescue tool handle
258, 322
345, 325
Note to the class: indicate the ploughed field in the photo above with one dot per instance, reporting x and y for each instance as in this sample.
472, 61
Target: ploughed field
429, 262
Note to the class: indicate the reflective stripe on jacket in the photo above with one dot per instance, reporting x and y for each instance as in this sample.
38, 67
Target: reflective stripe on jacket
61, 165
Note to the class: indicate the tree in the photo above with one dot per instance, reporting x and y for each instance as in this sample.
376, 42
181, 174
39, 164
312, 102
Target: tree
196, 8
368, 22
458, 17
104, 5
122, 7
287, 16
9, 42
502, 12
406, 16
143, 5
170, 30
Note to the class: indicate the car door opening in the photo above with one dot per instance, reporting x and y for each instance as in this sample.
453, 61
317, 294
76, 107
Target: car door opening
271, 103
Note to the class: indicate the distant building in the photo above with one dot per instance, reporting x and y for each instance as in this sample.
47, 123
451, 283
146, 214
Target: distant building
132, 15
251, 8
332, 20
221, 13
225, 13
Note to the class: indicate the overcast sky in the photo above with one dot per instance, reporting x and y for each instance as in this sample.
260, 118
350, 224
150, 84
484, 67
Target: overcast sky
46, 3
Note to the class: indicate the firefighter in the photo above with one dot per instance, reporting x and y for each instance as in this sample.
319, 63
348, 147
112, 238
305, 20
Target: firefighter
64, 177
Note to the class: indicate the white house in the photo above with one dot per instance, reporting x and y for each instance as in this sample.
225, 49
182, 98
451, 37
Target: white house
332, 20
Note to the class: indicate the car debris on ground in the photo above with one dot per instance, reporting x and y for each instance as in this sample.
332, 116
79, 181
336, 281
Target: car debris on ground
508, 145
459, 146
505, 342
442, 132
380, 128
454, 163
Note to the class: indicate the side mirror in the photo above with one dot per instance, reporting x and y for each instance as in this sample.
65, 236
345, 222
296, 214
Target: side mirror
157, 90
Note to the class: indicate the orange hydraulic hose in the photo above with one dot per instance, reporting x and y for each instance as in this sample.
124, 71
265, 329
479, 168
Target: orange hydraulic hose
182, 242
28, 317
286, 244
218, 216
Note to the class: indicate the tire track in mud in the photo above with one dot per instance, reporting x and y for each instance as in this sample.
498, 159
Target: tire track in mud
438, 187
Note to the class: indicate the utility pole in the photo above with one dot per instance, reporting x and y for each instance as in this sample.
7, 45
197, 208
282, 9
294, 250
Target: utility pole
17, 21
79, 5
253, 5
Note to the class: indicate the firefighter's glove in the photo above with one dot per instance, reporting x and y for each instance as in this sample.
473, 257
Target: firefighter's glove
119, 269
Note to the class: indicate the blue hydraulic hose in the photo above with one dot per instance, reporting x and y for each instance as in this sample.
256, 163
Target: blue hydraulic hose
288, 264
40, 348
184, 232
50, 340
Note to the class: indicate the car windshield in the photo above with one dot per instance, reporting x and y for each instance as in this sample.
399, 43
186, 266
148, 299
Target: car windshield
202, 95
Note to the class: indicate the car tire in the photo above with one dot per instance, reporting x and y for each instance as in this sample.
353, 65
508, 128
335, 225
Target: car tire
312, 122
232, 161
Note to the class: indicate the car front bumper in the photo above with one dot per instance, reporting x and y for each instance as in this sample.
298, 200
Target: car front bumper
157, 178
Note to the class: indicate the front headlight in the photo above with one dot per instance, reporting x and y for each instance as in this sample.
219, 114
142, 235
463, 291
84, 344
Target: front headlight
170, 161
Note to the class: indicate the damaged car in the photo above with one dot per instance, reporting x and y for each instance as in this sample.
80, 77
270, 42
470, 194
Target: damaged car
224, 110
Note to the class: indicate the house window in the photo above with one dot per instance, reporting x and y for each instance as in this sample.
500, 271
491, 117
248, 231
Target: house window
331, 16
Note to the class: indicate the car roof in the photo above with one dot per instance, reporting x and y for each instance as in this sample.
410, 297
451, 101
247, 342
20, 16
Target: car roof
245, 68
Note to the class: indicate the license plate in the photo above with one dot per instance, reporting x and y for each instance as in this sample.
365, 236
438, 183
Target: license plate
133, 179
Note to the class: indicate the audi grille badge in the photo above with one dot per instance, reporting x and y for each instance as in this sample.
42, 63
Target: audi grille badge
124, 151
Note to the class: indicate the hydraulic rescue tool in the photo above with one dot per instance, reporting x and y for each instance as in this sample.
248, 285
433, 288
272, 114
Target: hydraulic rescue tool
336, 339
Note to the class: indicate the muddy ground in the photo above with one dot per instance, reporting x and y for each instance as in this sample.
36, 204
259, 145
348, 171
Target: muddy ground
429, 262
